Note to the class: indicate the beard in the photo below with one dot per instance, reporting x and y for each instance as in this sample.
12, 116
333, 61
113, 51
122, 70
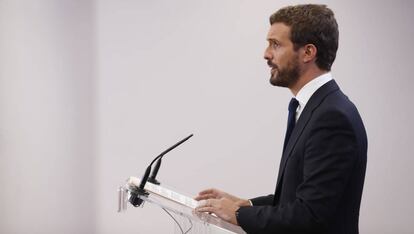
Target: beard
285, 77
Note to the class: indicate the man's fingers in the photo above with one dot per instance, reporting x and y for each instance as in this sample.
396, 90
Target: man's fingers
208, 209
208, 191
207, 194
223, 208
208, 203
205, 197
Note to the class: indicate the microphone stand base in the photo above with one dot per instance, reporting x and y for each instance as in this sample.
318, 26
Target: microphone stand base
136, 193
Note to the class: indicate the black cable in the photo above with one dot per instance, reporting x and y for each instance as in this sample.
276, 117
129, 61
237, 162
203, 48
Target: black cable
179, 226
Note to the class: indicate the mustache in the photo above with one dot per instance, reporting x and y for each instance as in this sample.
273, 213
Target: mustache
271, 64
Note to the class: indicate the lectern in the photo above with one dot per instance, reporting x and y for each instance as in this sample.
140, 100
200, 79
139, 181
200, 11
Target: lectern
179, 207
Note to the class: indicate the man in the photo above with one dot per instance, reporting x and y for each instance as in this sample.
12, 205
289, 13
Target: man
322, 170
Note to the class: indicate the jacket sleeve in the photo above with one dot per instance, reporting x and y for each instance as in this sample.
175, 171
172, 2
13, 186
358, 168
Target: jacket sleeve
263, 200
329, 157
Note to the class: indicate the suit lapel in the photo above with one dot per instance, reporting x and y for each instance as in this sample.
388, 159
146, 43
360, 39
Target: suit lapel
302, 122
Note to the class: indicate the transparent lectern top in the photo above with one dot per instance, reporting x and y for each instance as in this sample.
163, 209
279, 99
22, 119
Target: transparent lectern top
210, 222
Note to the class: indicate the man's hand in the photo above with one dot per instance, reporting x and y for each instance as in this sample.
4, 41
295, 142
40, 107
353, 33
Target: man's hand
223, 208
217, 194
222, 204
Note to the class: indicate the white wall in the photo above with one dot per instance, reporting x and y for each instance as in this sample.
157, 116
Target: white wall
46, 120
123, 80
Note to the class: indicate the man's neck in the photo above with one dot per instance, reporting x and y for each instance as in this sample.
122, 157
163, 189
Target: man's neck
305, 78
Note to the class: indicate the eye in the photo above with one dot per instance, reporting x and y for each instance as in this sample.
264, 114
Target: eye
274, 44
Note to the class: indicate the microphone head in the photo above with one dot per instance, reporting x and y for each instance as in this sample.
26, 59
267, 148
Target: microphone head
155, 172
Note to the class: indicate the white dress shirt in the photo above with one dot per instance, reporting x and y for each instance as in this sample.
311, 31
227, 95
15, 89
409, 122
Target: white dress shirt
306, 92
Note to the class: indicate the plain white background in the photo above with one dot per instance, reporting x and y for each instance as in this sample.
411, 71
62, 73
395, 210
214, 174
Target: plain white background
92, 91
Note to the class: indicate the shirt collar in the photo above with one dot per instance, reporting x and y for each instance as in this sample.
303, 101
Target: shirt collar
306, 92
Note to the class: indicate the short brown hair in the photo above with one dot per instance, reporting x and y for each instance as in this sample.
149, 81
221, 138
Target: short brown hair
311, 24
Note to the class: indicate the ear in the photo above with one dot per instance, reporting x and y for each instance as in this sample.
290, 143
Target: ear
309, 53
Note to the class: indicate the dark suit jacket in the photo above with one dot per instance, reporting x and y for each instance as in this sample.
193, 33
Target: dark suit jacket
321, 174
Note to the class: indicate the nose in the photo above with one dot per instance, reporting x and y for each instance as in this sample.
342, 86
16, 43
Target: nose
267, 54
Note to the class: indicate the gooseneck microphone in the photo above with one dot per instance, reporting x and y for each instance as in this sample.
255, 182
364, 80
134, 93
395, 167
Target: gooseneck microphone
134, 199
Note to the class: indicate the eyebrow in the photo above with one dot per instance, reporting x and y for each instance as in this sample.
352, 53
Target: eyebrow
273, 40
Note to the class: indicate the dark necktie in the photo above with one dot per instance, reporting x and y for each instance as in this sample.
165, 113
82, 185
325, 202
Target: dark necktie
293, 105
